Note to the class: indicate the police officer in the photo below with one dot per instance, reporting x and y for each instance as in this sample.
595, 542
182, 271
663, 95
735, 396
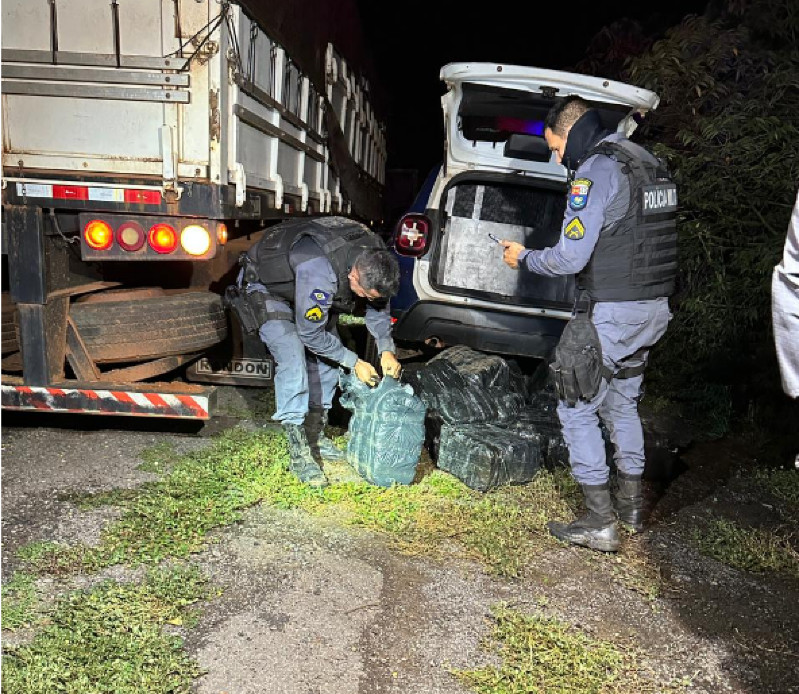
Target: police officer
307, 272
619, 238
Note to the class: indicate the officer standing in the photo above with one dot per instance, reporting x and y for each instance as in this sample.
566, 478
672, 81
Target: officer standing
619, 238
305, 273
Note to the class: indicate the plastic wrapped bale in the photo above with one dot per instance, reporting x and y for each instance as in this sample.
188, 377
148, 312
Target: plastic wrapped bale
386, 430
457, 399
483, 370
483, 456
548, 437
442, 388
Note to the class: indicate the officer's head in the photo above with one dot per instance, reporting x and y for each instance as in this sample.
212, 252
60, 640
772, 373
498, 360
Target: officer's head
572, 128
375, 275
559, 121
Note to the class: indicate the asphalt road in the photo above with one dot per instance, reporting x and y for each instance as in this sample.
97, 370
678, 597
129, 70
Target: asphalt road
312, 606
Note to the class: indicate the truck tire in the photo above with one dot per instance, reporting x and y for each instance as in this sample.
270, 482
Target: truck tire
149, 328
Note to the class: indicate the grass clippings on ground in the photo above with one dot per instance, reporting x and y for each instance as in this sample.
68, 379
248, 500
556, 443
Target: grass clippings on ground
209, 488
111, 639
543, 655
20, 602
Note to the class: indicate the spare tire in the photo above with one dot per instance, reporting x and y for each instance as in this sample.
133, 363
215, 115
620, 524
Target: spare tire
148, 328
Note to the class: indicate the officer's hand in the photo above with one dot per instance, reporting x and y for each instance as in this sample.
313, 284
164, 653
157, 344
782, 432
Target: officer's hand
390, 365
512, 251
366, 373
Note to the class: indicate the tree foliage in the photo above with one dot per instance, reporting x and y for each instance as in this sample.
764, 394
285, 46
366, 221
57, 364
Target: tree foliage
728, 126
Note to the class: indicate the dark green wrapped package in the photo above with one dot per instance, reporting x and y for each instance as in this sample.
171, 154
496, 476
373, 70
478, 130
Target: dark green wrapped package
484, 456
386, 430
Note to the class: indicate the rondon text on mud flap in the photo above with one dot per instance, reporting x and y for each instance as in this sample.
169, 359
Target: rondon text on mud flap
233, 371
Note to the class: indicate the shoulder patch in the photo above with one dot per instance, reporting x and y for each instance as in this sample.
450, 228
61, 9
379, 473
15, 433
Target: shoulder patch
574, 230
314, 314
320, 297
578, 194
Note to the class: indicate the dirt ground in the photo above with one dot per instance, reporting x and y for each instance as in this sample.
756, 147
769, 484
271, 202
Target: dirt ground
310, 606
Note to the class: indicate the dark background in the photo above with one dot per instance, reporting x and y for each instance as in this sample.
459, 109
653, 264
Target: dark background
410, 42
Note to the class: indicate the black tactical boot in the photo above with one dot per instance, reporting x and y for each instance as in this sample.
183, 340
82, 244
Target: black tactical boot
630, 501
301, 462
327, 449
597, 528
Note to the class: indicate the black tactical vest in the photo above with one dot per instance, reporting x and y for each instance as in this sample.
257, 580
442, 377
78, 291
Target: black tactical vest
341, 241
636, 257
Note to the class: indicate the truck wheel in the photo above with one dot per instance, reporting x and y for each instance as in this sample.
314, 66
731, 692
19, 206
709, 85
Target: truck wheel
148, 328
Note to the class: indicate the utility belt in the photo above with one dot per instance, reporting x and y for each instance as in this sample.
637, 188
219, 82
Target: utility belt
578, 368
250, 307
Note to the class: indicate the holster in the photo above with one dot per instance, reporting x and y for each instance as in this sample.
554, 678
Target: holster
578, 369
250, 308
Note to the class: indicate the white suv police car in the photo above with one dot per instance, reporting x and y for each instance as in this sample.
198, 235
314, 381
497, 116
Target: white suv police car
499, 181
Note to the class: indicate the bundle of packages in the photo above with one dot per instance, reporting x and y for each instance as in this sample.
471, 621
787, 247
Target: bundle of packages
483, 456
460, 391
483, 424
386, 430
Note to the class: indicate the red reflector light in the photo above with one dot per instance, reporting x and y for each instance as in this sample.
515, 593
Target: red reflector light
130, 236
221, 233
163, 238
71, 192
98, 235
413, 233
146, 197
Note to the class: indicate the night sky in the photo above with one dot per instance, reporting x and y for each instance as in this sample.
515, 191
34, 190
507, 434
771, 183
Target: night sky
411, 41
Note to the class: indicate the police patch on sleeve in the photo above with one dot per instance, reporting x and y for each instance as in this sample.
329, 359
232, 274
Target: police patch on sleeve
574, 230
578, 195
320, 297
314, 314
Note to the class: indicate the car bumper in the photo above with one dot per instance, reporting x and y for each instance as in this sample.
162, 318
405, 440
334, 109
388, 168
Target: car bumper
500, 332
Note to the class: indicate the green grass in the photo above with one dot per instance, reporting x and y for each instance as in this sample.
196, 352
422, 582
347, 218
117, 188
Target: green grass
157, 458
757, 550
782, 484
111, 639
20, 602
542, 655
209, 488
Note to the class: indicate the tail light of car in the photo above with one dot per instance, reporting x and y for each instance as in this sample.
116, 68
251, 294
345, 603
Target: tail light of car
413, 235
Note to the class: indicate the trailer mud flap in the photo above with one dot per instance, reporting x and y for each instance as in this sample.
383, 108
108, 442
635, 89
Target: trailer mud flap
143, 403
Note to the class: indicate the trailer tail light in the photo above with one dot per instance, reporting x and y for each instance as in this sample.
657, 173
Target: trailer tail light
135, 237
163, 238
413, 234
221, 233
195, 239
130, 236
98, 234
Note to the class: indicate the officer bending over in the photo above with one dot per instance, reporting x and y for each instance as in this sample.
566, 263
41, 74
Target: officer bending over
304, 273
619, 237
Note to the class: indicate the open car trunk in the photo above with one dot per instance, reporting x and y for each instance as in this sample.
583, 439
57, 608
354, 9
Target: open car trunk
467, 262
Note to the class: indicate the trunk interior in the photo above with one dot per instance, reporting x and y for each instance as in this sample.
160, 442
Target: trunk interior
468, 263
